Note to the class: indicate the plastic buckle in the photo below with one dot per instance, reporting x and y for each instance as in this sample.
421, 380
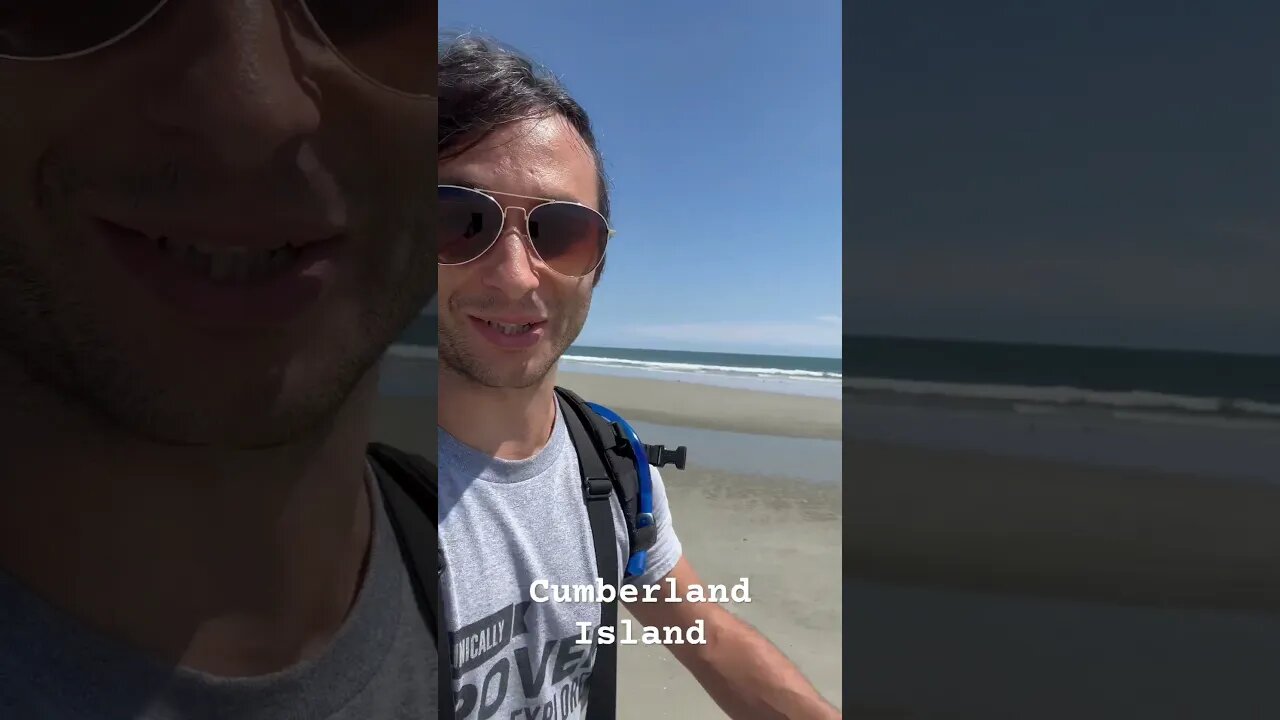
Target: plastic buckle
644, 520
620, 441
598, 487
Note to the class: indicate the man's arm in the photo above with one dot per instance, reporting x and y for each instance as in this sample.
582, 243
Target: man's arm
742, 671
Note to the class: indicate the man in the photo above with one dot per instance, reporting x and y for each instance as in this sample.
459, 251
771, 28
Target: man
212, 224
522, 215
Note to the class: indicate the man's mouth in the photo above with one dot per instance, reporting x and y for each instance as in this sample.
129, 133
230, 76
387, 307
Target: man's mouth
511, 332
510, 329
230, 276
230, 265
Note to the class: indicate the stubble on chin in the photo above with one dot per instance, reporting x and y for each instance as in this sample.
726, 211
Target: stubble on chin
459, 357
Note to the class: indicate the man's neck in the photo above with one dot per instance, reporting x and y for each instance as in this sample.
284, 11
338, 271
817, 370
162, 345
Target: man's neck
235, 563
506, 423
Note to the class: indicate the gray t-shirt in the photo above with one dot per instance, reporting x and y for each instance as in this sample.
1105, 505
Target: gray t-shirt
503, 525
381, 664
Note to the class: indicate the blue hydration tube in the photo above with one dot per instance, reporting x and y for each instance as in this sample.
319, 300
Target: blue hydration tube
635, 565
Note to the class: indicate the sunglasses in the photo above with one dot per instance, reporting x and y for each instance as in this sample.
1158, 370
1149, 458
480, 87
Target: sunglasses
568, 237
384, 41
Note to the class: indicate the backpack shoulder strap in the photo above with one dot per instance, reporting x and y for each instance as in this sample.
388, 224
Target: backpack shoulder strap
409, 485
597, 487
608, 442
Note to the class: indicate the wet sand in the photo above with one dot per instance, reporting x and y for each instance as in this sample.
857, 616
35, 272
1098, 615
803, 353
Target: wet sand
782, 534
703, 406
985, 522
981, 585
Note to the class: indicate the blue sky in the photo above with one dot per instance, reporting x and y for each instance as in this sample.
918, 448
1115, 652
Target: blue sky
1094, 172
720, 123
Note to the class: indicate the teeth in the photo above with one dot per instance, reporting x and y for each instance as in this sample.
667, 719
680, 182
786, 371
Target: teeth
506, 329
233, 265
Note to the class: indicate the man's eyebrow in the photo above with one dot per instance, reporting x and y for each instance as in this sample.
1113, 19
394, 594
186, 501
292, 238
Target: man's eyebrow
459, 182
462, 182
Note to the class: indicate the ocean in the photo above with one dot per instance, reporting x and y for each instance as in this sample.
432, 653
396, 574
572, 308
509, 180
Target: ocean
795, 375
1022, 377
799, 375
1166, 410
1060, 377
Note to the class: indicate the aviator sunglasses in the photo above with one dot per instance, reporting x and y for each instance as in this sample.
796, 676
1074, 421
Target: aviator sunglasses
568, 237
385, 41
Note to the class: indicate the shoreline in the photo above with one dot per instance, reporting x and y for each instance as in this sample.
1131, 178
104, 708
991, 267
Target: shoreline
710, 407
1229, 451
1229, 415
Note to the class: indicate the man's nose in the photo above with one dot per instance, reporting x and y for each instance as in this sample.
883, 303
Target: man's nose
512, 265
241, 92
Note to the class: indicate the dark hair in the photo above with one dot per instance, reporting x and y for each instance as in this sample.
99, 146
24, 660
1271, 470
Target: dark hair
485, 85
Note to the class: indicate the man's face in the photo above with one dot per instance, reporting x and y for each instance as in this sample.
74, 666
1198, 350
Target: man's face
211, 231
543, 158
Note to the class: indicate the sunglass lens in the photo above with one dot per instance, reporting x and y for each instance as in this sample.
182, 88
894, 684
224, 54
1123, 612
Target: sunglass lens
386, 40
467, 224
42, 29
569, 238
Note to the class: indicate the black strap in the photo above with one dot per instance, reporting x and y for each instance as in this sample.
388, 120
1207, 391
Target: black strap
622, 466
597, 488
408, 486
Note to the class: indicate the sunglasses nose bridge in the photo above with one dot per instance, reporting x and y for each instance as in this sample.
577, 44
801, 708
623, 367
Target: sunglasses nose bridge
519, 224
511, 263
512, 222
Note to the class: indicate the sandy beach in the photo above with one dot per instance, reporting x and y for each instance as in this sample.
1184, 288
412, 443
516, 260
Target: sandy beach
783, 534
1079, 590
1083, 565
688, 404
986, 522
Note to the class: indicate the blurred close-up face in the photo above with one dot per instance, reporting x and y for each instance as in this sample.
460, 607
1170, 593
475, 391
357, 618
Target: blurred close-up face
211, 229
506, 317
